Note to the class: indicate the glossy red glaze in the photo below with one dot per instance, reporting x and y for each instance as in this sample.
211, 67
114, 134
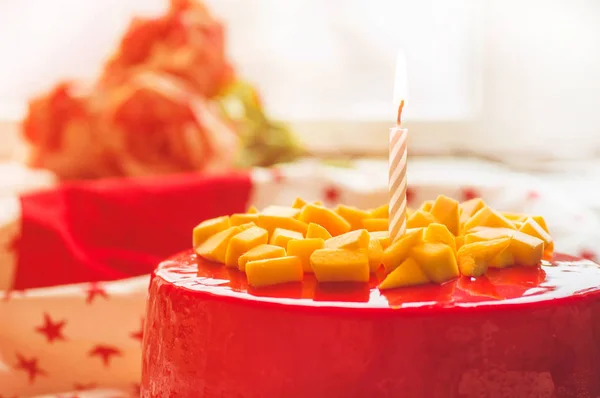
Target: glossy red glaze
519, 332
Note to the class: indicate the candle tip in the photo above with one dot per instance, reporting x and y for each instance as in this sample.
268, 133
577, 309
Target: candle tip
399, 120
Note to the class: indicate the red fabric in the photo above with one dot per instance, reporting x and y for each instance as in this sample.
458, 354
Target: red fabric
112, 229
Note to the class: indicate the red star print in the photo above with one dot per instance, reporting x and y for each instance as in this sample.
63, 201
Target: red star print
332, 195
105, 352
588, 255
469, 193
139, 335
95, 289
52, 330
410, 195
82, 387
532, 195
30, 366
277, 175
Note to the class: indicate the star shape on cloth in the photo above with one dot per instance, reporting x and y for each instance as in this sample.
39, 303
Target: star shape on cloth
83, 386
30, 366
588, 255
332, 195
52, 330
139, 335
533, 195
95, 289
410, 195
469, 193
105, 352
277, 175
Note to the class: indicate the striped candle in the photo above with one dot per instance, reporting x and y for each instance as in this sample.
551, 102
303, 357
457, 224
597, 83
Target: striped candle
397, 178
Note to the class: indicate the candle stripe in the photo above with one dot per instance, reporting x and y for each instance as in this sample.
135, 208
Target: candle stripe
397, 182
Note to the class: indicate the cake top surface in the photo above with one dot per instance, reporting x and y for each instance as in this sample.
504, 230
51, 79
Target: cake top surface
563, 278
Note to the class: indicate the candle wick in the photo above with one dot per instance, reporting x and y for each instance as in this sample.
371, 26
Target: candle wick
399, 120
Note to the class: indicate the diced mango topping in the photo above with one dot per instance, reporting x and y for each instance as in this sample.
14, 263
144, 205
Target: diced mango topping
419, 219
445, 211
243, 218
383, 237
375, 252
358, 239
317, 231
215, 247
208, 228
244, 241
260, 252
353, 215
398, 251
303, 249
437, 260
444, 239
281, 237
408, 273
273, 271
340, 265
382, 211
329, 219
375, 224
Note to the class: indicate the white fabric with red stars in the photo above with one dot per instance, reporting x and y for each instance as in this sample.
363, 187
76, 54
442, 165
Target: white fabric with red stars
84, 340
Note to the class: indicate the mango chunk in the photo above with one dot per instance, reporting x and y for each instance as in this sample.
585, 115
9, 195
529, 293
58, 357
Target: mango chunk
303, 249
399, 250
330, 220
281, 211
243, 218
439, 233
514, 216
358, 239
459, 241
540, 220
487, 217
270, 222
436, 260
273, 271
531, 227
242, 242
382, 211
299, 203
252, 210
375, 224
426, 206
375, 253
445, 211
471, 206
409, 273
353, 215
260, 252
340, 265
281, 237
208, 228
526, 250
317, 231
419, 219
383, 237
215, 247
474, 258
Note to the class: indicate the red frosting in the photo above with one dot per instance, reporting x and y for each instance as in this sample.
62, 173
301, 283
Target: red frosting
519, 332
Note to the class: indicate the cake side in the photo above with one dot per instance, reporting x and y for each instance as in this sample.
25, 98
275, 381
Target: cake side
207, 341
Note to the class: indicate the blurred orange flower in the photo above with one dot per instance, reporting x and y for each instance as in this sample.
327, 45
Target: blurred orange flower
186, 42
154, 125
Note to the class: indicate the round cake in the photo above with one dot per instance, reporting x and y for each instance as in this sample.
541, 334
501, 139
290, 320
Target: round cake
513, 332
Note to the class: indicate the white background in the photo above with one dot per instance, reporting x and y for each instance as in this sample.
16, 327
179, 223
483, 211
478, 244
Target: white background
508, 77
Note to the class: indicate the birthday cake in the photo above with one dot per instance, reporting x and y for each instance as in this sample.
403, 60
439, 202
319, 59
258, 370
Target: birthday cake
306, 301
